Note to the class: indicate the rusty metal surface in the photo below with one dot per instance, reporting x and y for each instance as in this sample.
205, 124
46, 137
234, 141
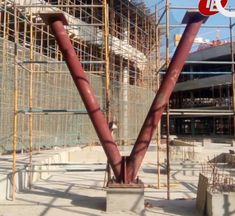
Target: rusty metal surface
86, 93
125, 169
163, 95
135, 184
49, 17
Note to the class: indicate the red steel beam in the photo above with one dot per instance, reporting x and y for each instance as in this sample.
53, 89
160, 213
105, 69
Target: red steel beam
194, 22
127, 173
56, 21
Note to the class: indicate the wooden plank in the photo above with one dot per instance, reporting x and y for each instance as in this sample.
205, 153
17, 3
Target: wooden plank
201, 194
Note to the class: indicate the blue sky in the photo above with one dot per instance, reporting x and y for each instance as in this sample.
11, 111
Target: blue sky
209, 33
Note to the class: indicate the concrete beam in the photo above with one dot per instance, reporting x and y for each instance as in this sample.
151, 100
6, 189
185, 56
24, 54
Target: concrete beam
211, 53
203, 83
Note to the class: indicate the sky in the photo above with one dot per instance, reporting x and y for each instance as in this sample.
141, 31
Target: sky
177, 15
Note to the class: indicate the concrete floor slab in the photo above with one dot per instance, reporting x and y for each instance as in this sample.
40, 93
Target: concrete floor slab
81, 192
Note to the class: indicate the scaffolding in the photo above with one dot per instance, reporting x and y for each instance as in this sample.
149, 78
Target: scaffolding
214, 102
40, 107
119, 44
213, 97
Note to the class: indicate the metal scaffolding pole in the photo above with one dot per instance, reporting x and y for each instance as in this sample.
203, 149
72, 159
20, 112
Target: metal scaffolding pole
203, 26
107, 66
107, 69
31, 100
167, 107
158, 60
211, 62
203, 73
15, 121
187, 8
59, 62
60, 6
232, 70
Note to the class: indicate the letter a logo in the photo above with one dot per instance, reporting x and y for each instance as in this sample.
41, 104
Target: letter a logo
208, 7
211, 5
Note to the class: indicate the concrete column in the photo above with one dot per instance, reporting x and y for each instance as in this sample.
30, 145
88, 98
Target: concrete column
193, 126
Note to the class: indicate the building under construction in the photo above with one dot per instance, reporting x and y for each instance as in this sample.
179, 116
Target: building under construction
204, 94
81, 75
115, 53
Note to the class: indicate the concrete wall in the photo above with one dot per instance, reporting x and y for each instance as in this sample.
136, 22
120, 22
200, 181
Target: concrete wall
39, 172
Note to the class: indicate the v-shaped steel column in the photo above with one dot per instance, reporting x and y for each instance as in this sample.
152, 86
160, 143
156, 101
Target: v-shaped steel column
194, 21
125, 169
56, 21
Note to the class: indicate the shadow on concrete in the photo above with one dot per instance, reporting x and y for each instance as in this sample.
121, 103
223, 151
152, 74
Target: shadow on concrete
49, 206
191, 187
226, 206
221, 158
176, 207
97, 203
154, 170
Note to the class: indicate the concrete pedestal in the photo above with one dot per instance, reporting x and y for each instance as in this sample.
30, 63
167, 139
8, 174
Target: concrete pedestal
232, 143
219, 204
206, 141
125, 199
